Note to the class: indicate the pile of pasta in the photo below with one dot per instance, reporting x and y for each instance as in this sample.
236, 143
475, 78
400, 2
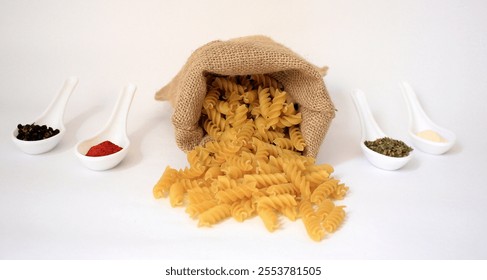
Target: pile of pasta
252, 164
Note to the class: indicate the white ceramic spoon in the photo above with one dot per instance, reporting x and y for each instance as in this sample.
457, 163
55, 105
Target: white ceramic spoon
52, 117
419, 121
371, 132
115, 131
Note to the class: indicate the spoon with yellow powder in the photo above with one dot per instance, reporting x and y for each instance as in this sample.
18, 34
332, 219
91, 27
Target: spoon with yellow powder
424, 133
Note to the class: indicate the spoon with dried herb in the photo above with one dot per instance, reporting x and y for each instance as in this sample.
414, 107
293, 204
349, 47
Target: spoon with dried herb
389, 147
381, 151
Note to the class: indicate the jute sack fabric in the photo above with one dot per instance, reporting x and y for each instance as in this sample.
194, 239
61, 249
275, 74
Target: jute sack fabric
246, 56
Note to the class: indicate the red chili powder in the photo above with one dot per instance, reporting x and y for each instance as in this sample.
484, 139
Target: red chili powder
103, 149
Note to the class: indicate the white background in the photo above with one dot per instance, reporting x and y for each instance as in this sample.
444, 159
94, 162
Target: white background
51, 207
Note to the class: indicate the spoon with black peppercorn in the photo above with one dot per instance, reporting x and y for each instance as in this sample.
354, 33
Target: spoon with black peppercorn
48, 129
371, 132
115, 131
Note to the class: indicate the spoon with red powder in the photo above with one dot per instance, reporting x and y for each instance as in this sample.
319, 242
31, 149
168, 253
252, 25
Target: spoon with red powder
105, 148
109, 147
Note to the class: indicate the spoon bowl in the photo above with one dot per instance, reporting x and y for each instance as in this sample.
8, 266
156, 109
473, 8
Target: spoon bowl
115, 131
370, 132
419, 121
52, 117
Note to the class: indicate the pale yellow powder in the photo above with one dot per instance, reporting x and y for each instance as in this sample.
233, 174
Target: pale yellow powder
431, 136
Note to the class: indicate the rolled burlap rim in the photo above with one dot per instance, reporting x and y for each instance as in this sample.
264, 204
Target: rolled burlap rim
302, 80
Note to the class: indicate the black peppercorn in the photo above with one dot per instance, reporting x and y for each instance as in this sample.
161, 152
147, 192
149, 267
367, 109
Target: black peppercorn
34, 132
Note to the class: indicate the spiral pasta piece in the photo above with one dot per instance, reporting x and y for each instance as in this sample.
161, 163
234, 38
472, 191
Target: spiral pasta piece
285, 188
340, 192
213, 172
201, 157
214, 215
211, 99
232, 171
242, 210
272, 135
234, 101
295, 176
269, 217
240, 116
212, 129
242, 163
195, 209
217, 119
161, 189
263, 167
313, 227
245, 133
223, 183
227, 85
317, 178
176, 194
289, 109
265, 81
223, 107
261, 155
306, 209
334, 219
321, 167
300, 163
240, 192
290, 212
250, 97
274, 112
259, 123
222, 147
199, 195
276, 201
297, 138
188, 183
284, 143
289, 120
271, 149
323, 191
193, 157
265, 180
264, 101
325, 208
193, 172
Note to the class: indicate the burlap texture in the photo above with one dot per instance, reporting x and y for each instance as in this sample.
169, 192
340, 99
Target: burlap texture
245, 56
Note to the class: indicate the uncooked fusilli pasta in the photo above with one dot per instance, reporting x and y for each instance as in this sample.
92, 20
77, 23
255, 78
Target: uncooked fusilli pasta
253, 164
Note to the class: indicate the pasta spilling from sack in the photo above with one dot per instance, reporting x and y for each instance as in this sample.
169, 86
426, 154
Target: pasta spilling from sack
252, 163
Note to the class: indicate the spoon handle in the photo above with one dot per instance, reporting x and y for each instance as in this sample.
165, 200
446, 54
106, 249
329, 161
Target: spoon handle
370, 129
55, 111
118, 119
417, 116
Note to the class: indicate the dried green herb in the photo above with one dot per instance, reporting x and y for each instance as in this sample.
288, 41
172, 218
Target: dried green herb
389, 147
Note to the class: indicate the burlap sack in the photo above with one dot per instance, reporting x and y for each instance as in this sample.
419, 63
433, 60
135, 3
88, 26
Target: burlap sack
245, 56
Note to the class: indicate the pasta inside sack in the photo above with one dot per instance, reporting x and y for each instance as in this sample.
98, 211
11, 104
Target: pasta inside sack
252, 164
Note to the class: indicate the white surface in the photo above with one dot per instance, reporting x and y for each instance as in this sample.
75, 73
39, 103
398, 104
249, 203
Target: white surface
53, 207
